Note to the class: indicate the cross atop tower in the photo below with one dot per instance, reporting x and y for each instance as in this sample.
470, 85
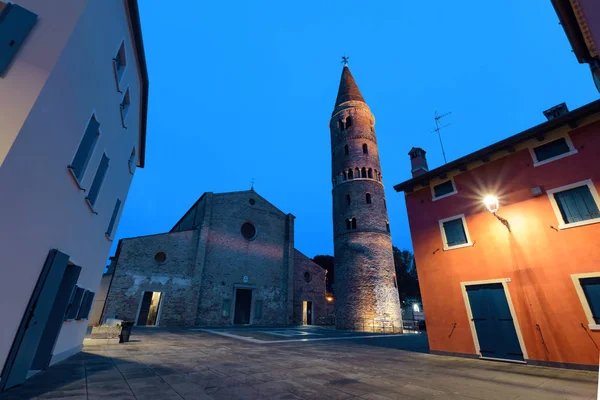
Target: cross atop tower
345, 60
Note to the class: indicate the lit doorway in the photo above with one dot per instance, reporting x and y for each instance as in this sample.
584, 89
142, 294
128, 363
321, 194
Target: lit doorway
149, 308
307, 312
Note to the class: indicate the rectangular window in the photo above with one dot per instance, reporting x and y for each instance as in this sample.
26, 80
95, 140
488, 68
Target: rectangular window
443, 189
98, 180
575, 204
113, 218
131, 162
119, 63
591, 289
454, 232
86, 149
226, 308
258, 309
15, 25
75, 303
552, 149
125, 106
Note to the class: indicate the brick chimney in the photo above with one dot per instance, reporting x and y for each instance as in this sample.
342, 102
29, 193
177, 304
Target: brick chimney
418, 162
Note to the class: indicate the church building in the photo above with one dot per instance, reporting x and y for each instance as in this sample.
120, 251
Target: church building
230, 260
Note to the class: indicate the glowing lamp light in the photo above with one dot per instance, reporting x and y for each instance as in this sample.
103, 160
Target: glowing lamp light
329, 298
491, 203
416, 307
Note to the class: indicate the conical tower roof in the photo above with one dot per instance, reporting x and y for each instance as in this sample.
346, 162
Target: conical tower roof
348, 90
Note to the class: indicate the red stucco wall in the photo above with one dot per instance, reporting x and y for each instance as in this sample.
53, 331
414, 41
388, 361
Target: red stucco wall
538, 259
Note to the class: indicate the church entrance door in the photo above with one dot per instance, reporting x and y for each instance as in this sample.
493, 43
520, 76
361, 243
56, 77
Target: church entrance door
148, 314
243, 305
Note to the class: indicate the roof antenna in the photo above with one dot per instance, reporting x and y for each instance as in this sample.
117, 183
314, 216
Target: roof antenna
345, 59
438, 128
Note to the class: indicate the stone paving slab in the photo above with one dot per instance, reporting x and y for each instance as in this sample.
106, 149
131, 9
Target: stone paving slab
184, 364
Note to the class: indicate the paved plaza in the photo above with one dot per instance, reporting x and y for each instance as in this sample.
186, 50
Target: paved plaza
291, 364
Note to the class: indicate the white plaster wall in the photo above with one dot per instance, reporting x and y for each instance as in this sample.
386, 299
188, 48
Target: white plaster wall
41, 207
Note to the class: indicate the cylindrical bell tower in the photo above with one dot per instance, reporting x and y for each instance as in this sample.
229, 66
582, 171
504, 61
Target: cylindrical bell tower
365, 283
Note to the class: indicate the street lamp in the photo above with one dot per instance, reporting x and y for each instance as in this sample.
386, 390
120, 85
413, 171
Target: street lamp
492, 204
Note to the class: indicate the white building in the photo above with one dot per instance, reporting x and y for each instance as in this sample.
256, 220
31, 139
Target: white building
73, 105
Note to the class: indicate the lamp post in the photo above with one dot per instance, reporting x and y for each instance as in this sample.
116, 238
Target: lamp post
492, 204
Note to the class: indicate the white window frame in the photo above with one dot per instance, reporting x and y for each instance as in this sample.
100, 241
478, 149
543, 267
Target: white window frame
443, 231
572, 150
584, 301
561, 223
454, 191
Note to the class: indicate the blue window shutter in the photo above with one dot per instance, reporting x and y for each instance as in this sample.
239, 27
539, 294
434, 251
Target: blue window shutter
113, 218
591, 288
86, 148
455, 232
15, 25
552, 149
577, 204
443, 188
98, 180
86, 305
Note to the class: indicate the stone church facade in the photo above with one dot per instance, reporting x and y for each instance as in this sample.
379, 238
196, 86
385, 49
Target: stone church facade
230, 260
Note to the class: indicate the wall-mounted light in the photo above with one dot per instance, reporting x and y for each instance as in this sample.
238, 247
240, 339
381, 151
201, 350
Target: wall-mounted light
416, 307
492, 204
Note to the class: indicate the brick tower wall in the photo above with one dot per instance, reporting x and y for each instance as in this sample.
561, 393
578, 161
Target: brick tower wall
366, 293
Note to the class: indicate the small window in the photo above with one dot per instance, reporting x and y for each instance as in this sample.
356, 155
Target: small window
552, 150
98, 180
363, 173
86, 149
226, 308
74, 303
395, 282
454, 233
576, 205
387, 227
307, 277
348, 201
132, 161
120, 62
368, 198
113, 218
86, 305
125, 106
258, 309
353, 223
348, 122
252, 202
370, 173
346, 150
443, 189
16, 23
160, 257
350, 174
248, 231
384, 204
591, 290
348, 224
365, 148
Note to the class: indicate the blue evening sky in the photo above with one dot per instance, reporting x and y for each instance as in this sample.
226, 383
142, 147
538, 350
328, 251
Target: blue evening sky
245, 89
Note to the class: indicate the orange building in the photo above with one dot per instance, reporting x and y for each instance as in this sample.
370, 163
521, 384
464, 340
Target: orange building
517, 278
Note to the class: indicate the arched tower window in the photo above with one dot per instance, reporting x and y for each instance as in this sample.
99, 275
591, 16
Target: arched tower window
363, 173
357, 173
348, 201
350, 174
348, 122
365, 148
384, 204
348, 224
368, 198
353, 223
346, 150
387, 226
370, 173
